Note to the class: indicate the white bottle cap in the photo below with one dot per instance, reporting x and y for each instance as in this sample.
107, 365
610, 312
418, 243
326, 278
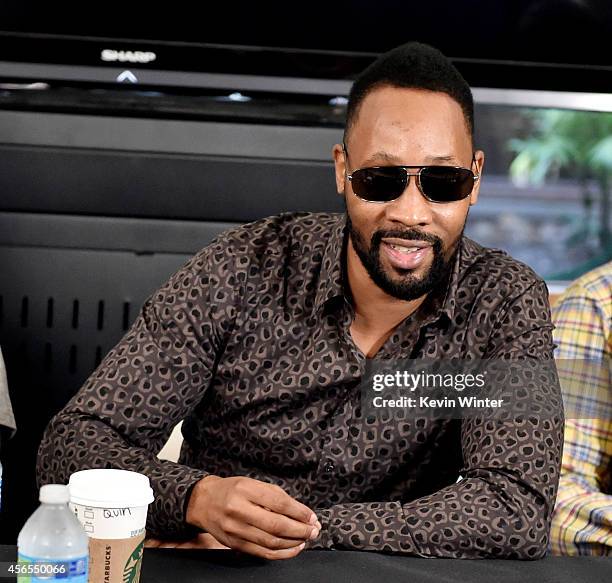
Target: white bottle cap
54, 494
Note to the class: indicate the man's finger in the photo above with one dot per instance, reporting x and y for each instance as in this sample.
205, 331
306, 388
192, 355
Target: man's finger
317, 523
278, 525
265, 539
277, 500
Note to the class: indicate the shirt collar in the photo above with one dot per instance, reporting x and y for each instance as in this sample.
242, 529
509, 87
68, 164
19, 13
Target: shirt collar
468, 253
331, 276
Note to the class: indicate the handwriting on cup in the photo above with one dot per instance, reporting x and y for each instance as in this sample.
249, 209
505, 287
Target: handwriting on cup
116, 512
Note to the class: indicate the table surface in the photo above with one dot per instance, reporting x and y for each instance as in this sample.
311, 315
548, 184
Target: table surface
198, 566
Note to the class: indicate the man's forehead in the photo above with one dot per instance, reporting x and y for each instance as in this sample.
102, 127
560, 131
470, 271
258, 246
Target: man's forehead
395, 122
403, 109
383, 100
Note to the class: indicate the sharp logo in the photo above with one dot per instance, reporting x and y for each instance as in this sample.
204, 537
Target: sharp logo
111, 56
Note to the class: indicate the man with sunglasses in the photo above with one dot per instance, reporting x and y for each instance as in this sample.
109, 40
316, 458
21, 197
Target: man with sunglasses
259, 343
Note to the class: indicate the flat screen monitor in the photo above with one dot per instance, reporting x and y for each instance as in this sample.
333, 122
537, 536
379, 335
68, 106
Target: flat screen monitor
305, 46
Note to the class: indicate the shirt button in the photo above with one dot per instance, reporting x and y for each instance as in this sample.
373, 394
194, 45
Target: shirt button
329, 467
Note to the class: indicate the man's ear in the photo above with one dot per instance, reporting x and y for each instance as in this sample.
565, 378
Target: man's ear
340, 168
477, 167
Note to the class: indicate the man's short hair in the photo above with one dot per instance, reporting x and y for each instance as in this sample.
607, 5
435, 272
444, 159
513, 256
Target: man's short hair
412, 66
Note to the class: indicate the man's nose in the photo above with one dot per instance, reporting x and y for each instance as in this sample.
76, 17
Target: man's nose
411, 207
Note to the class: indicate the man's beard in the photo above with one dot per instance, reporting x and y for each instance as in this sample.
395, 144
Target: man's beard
407, 286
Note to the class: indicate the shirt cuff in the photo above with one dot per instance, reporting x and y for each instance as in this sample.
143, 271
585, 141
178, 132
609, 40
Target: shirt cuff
172, 485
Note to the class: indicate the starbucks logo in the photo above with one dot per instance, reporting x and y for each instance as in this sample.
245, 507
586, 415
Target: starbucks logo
132, 566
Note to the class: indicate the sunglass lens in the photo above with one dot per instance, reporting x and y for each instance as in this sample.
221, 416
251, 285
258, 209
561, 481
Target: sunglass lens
444, 184
379, 184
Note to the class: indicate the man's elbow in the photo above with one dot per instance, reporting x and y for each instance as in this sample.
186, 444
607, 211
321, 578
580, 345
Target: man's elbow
528, 546
51, 457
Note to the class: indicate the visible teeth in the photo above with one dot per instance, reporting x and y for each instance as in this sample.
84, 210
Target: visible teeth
404, 249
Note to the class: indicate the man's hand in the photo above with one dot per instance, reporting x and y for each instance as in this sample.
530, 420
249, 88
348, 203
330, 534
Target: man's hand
252, 516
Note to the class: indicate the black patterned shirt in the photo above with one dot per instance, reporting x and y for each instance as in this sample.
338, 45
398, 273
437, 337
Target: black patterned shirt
249, 343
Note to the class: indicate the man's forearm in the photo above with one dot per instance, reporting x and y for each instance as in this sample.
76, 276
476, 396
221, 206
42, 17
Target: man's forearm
488, 514
74, 442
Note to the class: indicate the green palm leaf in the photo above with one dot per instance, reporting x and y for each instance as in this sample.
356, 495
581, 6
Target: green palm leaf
578, 143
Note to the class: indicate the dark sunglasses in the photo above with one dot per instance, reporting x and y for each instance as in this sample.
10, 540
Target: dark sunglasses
436, 183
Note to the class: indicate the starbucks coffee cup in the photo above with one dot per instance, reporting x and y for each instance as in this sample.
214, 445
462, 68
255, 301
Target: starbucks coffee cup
112, 507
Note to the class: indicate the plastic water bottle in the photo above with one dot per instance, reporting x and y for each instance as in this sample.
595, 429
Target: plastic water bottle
52, 545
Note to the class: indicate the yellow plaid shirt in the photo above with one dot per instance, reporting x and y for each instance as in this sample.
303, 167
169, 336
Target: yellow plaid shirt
582, 519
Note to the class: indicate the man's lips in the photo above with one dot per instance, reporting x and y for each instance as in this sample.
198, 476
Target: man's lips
404, 253
409, 243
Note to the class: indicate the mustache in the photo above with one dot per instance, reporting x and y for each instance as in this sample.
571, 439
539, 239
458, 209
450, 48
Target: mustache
410, 235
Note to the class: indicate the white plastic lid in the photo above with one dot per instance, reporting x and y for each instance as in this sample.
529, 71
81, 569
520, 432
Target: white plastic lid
54, 494
110, 488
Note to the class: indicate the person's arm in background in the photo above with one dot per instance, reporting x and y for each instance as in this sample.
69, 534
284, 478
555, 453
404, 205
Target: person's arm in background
150, 381
503, 505
582, 521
